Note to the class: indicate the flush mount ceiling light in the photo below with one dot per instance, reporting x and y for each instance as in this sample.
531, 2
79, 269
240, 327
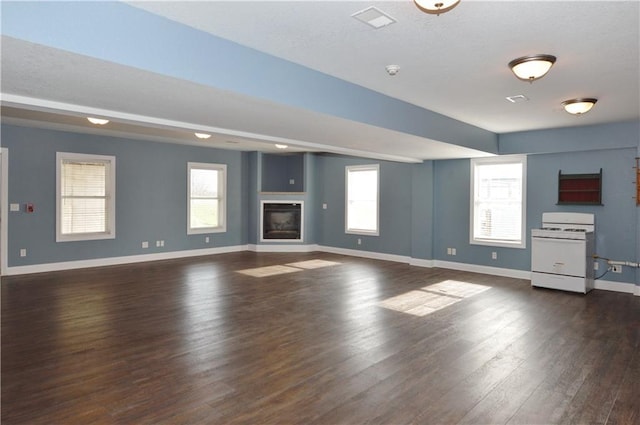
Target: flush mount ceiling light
530, 68
579, 106
280, 146
202, 135
97, 121
434, 7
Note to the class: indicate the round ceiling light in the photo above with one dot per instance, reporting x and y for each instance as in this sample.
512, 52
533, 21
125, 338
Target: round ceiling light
281, 146
579, 106
97, 121
435, 7
530, 68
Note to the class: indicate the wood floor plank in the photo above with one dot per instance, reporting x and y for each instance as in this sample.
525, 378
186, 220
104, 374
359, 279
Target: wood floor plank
193, 341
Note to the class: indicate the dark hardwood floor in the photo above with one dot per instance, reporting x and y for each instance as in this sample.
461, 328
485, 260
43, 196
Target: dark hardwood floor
195, 341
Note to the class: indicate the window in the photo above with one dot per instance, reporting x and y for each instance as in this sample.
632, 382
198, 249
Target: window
362, 199
85, 197
498, 201
206, 207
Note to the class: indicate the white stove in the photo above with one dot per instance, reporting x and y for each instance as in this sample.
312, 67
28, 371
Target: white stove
562, 252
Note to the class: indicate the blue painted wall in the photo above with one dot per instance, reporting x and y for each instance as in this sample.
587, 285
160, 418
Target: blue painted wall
395, 206
278, 170
151, 195
424, 207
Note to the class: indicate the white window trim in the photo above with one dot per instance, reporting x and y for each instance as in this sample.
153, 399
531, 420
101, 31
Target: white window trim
364, 232
506, 159
110, 233
222, 187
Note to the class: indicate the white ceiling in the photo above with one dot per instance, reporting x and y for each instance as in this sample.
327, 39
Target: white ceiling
454, 64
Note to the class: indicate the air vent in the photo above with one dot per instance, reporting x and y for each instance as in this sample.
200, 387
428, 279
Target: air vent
517, 98
374, 17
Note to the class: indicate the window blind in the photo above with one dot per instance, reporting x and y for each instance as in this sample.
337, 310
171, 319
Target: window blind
84, 195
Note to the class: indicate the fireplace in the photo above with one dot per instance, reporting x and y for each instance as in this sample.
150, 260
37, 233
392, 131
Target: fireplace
281, 221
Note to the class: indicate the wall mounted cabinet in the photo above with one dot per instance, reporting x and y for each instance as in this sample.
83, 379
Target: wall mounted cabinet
580, 189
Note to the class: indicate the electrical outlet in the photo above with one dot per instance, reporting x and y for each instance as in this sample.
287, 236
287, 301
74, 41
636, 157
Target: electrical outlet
161, 243
359, 241
494, 255
616, 268
157, 244
292, 181
596, 266
206, 239
448, 251
23, 252
453, 251
145, 244
324, 206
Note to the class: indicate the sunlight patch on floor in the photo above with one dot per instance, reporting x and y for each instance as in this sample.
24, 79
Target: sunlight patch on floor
288, 268
432, 298
313, 264
269, 271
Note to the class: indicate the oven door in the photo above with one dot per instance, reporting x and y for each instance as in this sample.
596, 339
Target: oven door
559, 256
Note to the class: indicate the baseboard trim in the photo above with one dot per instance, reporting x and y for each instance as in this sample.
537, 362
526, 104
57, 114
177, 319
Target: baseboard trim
419, 262
475, 268
113, 261
282, 248
604, 285
607, 285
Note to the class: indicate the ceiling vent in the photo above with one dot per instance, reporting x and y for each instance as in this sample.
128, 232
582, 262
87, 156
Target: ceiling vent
374, 17
517, 98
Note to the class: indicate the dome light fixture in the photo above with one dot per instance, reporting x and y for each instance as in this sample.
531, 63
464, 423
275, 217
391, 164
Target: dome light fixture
579, 106
97, 121
531, 68
281, 146
435, 7
202, 135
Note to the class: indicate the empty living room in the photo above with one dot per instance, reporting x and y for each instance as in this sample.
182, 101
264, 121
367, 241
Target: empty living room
320, 212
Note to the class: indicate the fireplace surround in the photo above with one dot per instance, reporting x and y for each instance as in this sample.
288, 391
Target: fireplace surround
281, 221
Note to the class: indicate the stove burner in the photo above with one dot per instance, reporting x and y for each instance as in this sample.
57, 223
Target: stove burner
550, 228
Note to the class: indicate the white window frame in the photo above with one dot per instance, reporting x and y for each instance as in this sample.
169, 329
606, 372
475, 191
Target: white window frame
222, 197
110, 196
508, 159
356, 231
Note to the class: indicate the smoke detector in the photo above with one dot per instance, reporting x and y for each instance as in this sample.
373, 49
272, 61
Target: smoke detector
392, 69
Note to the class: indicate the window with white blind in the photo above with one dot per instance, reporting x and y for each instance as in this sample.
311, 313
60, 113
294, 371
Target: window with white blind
206, 205
498, 201
85, 197
362, 197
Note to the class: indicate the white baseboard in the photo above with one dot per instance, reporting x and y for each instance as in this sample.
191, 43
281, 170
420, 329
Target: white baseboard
607, 285
283, 248
365, 254
496, 271
419, 262
112, 261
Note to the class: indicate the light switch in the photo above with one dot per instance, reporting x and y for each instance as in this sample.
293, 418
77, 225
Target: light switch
14, 207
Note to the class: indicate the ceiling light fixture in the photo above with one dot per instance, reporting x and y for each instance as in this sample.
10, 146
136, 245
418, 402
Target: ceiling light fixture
530, 68
436, 7
280, 146
392, 69
202, 135
97, 121
579, 106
